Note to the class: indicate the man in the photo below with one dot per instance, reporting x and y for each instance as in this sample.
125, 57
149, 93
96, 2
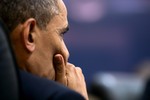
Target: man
36, 32
31, 87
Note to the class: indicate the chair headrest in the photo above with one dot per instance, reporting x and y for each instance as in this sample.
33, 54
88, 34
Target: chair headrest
8, 77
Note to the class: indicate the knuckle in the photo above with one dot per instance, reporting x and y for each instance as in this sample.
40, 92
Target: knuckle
79, 69
70, 65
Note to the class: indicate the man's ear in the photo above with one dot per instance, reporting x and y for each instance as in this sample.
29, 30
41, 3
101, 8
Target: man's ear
28, 34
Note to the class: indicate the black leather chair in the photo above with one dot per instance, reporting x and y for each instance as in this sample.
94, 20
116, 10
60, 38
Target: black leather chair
9, 83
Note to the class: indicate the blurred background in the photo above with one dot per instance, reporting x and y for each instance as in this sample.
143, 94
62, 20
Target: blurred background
111, 39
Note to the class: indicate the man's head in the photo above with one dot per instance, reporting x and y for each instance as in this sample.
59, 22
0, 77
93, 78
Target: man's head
37, 28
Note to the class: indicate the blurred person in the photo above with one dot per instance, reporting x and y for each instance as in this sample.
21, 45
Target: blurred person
36, 34
143, 69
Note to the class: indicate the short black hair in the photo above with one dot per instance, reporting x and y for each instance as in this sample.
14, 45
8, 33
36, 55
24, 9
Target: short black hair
13, 12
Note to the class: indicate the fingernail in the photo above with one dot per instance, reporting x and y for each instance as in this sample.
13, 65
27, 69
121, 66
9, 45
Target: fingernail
58, 60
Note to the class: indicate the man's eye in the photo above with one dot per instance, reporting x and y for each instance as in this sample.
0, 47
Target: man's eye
62, 34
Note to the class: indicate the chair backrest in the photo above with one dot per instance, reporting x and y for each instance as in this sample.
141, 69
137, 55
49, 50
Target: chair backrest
9, 86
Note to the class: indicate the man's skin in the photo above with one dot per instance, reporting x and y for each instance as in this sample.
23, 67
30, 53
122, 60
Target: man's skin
44, 53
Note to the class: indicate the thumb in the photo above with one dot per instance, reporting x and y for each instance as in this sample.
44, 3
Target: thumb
59, 65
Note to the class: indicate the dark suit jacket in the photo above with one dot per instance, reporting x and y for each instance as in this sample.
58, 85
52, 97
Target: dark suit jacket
36, 88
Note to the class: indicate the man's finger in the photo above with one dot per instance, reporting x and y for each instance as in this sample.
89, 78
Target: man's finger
59, 65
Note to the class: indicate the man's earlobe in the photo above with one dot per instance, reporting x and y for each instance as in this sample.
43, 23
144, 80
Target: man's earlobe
29, 34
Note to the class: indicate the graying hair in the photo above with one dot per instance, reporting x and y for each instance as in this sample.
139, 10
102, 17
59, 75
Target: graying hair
13, 12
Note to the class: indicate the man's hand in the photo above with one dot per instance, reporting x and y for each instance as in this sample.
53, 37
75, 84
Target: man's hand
69, 75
